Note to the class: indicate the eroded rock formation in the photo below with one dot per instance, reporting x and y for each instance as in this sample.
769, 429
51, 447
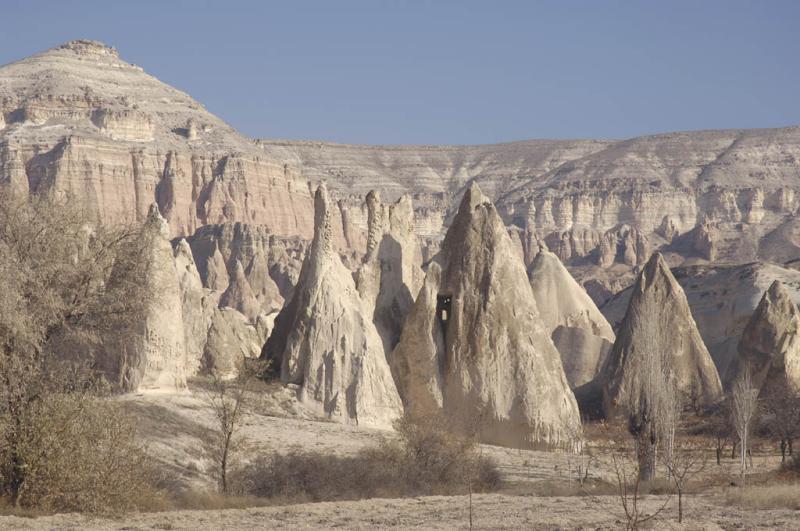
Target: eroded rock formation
324, 340
390, 276
157, 359
770, 345
474, 344
578, 329
239, 295
658, 323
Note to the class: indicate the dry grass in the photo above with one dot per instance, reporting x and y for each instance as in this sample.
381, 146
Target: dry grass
765, 497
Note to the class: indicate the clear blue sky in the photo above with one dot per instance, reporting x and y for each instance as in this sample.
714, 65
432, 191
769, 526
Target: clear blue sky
448, 71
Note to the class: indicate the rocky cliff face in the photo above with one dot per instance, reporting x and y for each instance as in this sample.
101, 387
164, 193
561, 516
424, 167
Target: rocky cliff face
658, 323
474, 344
325, 342
81, 121
578, 329
770, 345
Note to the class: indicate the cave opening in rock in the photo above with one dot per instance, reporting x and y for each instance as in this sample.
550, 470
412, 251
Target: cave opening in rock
443, 310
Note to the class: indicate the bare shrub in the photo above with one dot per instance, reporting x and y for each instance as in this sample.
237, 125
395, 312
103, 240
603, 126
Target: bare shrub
683, 465
426, 459
66, 290
781, 405
631, 491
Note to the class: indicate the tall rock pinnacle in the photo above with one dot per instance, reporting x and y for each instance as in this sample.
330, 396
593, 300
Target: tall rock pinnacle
324, 340
474, 345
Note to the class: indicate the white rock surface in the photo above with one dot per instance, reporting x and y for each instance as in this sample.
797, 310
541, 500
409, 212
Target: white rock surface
578, 329
390, 275
158, 360
474, 344
770, 345
658, 322
324, 340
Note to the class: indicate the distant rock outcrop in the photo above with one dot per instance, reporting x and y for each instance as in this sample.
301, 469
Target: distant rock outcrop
324, 340
390, 276
239, 295
216, 272
231, 339
580, 332
770, 345
264, 288
658, 322
474, 344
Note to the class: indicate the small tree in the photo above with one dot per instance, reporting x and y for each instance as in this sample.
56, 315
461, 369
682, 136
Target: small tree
782, 407
228, 399
744, 402
629, 484
683, 465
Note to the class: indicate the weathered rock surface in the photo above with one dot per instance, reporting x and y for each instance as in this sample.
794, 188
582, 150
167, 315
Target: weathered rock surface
474, 344
658, 322
78, 119
579, 331
239, 295
264, 288
770, 345
390, 276
324, 340
157, 360
722, 300
231, 339
196, 308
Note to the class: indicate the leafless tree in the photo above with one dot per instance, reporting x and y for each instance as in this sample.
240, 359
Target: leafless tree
781, 405
744, 403
228, 399
651, 396
629, 490
683, 465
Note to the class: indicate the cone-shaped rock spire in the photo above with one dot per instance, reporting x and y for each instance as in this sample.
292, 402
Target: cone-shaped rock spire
474, 344
770, 344
658, 322
580, 332
325, 342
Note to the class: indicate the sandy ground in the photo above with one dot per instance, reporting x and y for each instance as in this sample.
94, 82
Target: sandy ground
174, 425
490, 511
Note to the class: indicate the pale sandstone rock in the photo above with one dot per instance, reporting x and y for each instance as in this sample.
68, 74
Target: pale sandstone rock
239, 295
264, 288
231, 339
324, 340
770, 345
216, 272
195, 309
390, 275
658, 320
474, 344
158, 360
722, 300
578, 329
